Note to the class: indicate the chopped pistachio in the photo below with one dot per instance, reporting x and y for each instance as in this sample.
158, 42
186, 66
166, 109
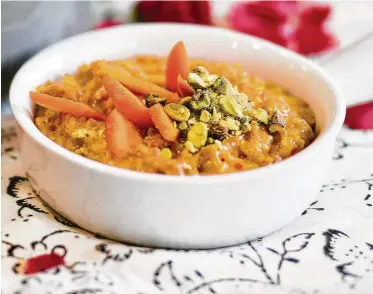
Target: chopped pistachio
182, 126
215, 114
259, 114
210, 140
166, 153
243, 100
230, 123
196, 81
230, 106
152, 99
189, 145
222, 86
245, 120
217, 131
198, 134
201, 71
246, 128
219, 144
277, 118
177, 111
205, 116
192, 121
202, 103
186, 100
211, 78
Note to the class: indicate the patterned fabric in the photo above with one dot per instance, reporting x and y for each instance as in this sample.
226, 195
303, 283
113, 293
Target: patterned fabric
328, 249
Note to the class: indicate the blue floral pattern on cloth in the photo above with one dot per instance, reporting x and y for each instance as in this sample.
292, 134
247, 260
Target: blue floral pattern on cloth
328, 249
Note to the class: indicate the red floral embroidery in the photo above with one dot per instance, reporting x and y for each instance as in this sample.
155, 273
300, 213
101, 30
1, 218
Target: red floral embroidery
42, 262
198, 12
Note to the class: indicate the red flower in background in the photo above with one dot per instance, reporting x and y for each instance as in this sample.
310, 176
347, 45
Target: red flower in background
107, 23
293, 24
311, 36
262, 19
197, 12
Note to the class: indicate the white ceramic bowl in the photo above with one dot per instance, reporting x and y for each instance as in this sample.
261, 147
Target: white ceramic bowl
170, 211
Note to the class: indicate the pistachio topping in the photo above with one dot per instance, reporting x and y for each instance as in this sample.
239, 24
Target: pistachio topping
201, 71
182, 126
196, 81
278, 119
177, 111
243, 100
277, 122
201, 103
230, 123
152, 99
216, 111
192, 121
189, 145
222, 86
218, 131
230, 106
197, 134
205, 116
215, 114
166, 153
211, 79
186, 100
259, 114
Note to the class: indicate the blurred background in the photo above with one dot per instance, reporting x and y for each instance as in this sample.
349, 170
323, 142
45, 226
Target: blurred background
311, 28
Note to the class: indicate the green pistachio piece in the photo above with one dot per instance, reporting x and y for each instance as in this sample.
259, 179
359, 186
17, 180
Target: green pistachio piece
186, 100
215, 114
243, 100
189, 145
196, 81
210, 140
166, 153
230, 106
259, 114
245, 120
152, 99
205, 116
218, 131
222, 86
211, 79
246, 128
277, 118
230, 123
177, 111
198, 134
182, 126
203, 103
192, 121
201, 71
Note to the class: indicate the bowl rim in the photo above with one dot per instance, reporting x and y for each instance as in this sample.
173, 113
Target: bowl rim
29, 127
